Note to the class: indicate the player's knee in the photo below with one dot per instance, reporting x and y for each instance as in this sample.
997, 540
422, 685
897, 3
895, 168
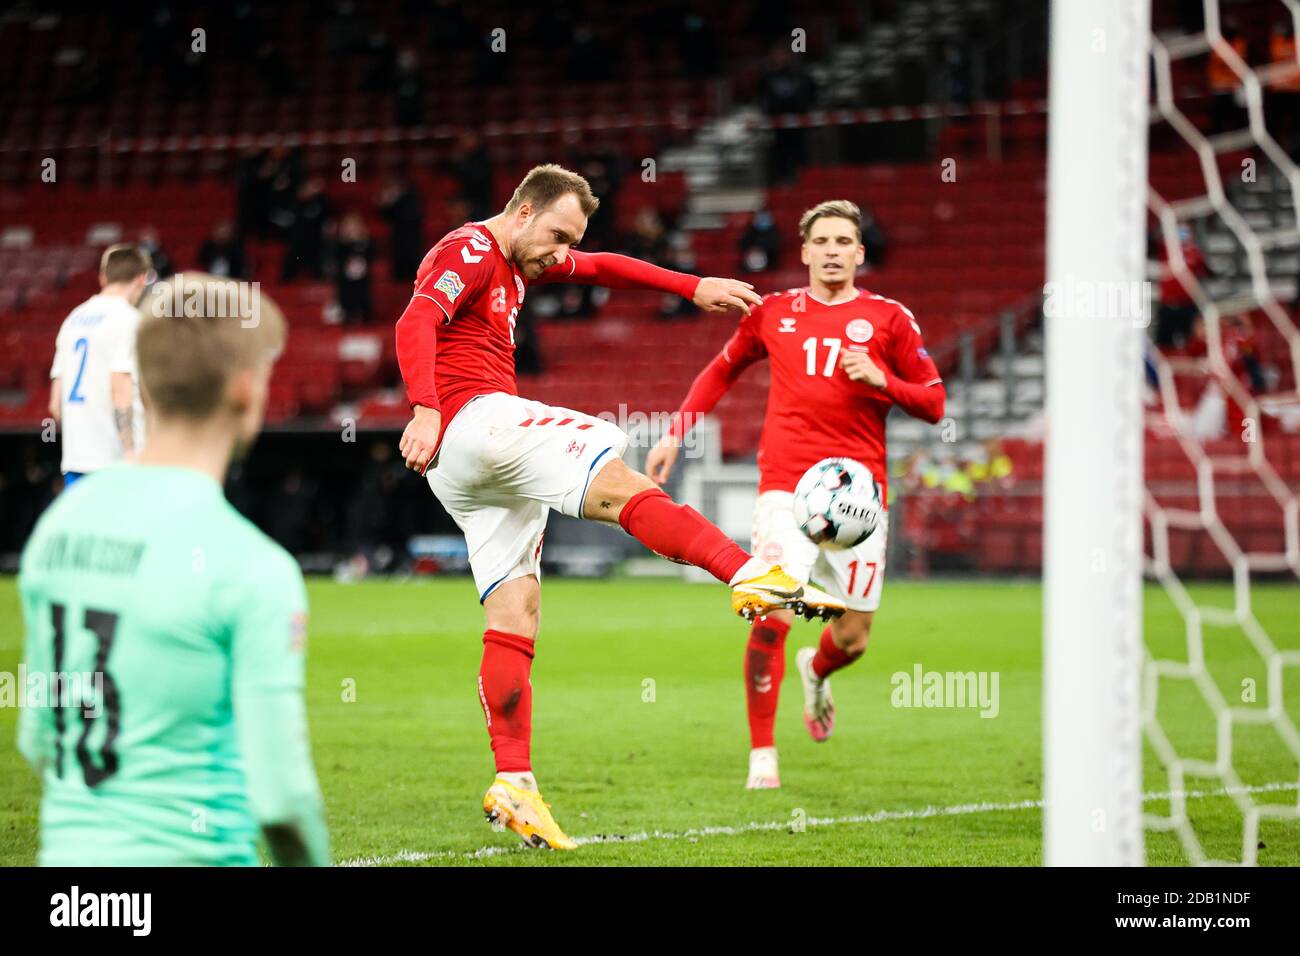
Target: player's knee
515, 607
613, 487
851, 632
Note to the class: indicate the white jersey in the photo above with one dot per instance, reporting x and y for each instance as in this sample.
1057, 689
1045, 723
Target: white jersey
96, 339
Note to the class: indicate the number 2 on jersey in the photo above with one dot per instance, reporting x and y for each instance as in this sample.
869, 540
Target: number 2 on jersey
833, 353
75, 395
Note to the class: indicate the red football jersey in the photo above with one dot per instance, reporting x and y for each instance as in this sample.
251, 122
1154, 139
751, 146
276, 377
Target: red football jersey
814, 410
480, 293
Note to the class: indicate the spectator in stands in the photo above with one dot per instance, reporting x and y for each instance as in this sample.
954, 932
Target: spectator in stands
600, 167
785, 87
680, 258
873, 238
648, 239
355, 252
699, 44
283, 173
1226, 113
1219, 407
31, 486
222, 253
408, 89
290, 511
591, 57
374, 536
1282, 97
150, 243
760, 243
400, 204
472, 167
1176, 311
253, 193
306, 251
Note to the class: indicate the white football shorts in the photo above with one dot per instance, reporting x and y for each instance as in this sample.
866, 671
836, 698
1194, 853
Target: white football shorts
504, 463
854, 575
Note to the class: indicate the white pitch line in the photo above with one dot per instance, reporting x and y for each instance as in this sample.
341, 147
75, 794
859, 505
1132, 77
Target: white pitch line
758, 826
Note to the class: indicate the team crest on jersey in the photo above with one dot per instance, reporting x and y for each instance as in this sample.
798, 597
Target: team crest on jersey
787, 325
859, 330
449, 284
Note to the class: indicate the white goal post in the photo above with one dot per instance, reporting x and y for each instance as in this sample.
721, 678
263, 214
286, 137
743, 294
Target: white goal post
1095, 312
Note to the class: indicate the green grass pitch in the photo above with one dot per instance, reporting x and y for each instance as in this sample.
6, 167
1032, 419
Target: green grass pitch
640, 732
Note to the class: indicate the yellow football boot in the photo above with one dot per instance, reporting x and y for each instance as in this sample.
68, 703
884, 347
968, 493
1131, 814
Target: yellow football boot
774, 590
524, 812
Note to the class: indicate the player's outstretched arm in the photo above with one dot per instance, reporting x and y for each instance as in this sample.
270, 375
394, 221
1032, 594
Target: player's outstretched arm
705, 392
268, 673
614, 271
741, 351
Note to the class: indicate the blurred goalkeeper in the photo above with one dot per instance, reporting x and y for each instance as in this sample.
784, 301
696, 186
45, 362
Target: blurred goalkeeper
172, 631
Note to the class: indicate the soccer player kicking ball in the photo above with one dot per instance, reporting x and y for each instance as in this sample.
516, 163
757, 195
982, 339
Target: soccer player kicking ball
176, 727
499, 463
840, 358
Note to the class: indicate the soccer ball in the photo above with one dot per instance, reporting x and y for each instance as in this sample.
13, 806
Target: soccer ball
837, 503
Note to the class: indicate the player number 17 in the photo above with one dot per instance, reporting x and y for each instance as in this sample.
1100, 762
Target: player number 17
832, 355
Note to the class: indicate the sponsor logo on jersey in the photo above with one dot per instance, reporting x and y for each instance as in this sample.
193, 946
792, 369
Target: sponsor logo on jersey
519, 287
787, 325
449, 284
859, 330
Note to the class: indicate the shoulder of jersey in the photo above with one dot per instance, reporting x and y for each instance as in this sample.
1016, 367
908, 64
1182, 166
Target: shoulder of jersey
892, 306
475, 238
785, 295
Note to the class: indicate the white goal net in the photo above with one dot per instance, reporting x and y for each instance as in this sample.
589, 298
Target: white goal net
1172, 542
1220, 677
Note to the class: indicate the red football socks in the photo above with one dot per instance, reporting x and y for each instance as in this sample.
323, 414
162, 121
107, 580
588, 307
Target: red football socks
764, 669
681, 534
507, 697
830, 657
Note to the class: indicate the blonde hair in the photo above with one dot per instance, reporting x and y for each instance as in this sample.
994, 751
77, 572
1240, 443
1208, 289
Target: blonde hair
197, 331
545, 184
831, 208
123, 263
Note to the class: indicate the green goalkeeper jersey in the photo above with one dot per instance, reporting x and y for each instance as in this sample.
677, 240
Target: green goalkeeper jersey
164, 675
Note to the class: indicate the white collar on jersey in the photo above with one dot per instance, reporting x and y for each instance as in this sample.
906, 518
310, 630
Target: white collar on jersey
857, 294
